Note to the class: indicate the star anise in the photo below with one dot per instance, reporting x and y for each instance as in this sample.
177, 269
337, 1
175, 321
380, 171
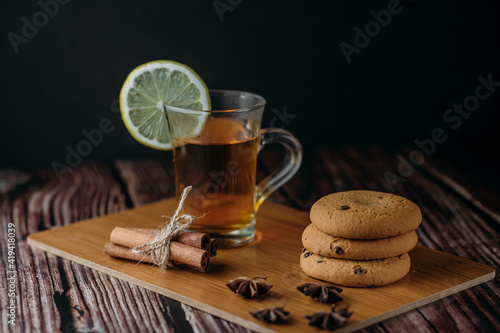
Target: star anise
271, 315
330, 320
247, 288
324, 293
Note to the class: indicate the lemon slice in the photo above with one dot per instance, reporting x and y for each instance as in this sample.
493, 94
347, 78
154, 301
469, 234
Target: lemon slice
152, 86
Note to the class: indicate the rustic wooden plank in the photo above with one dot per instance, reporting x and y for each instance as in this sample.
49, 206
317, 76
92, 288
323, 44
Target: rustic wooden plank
450, 225
147, 181
470, 193
345, 171
56, 295
481, 187
455, 225
433, 274
362, 171
202, 321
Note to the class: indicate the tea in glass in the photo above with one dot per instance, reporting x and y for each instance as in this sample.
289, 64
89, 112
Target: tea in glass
218, 158
221, 165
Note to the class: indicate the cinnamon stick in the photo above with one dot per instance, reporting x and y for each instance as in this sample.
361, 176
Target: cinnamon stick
179, 252
119, 251
195, 239
213, 247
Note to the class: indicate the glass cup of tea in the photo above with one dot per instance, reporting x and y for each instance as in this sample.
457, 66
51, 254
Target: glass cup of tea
215, 152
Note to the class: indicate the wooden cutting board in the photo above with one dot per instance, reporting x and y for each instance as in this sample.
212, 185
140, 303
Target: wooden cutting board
274, 253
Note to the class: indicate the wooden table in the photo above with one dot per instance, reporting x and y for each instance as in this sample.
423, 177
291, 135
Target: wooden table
54, 294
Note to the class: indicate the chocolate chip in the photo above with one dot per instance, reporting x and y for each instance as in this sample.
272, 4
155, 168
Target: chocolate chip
307, 254
360, 270
319, 261
303, 250
344, 207
338, 250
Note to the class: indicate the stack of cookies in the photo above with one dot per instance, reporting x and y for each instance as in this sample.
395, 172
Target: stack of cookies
360, 238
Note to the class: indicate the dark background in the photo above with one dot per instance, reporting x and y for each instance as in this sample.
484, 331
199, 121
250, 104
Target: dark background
66, 77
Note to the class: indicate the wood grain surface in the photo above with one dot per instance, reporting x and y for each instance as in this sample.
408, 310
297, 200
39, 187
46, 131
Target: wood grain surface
274, 253
55, 294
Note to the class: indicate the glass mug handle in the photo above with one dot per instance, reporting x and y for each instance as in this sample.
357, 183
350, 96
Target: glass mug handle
287, 168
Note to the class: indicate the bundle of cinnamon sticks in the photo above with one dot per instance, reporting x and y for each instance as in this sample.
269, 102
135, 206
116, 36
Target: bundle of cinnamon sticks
190, 249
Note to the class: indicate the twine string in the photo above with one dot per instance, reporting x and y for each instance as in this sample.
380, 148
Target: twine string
159, 248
